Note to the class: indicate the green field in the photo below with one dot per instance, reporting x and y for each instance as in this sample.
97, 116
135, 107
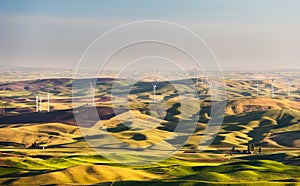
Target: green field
63, 166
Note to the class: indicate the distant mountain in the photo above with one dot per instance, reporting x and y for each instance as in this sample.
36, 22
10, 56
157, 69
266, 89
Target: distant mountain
288, 70
24, 68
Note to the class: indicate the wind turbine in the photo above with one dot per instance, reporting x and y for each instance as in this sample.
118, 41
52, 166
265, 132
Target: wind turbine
4, 102
41, 103
5, 105
37, 103
272, 88
257, 89
197, 78
289, 87
253, 79
154, 84
213, 88
72, 74
92, 94
206, 79
48, 98
203, 79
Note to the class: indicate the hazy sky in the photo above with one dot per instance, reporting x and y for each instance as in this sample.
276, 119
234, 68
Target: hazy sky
244, 34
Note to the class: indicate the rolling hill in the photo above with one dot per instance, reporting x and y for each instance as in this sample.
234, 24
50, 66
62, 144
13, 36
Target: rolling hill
272, 124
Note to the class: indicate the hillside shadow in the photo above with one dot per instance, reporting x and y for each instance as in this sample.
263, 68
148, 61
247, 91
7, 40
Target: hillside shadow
87, 116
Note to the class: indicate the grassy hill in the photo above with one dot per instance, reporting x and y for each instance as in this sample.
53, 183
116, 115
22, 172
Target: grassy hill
96, 169
273, 124
262, 121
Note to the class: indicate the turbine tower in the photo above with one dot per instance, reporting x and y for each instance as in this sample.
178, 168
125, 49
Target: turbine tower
154, 84
72, 73
41, 103
48, 98
37, 103
206, 80
4, 102
213, 90
197, 78
257, 89
92, 94
289, 87
272, 88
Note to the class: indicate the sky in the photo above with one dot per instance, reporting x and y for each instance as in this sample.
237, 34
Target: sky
243, 34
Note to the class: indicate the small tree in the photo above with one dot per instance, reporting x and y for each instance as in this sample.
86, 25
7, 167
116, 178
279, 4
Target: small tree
33, 145
259, 150
233, 149
250, 147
